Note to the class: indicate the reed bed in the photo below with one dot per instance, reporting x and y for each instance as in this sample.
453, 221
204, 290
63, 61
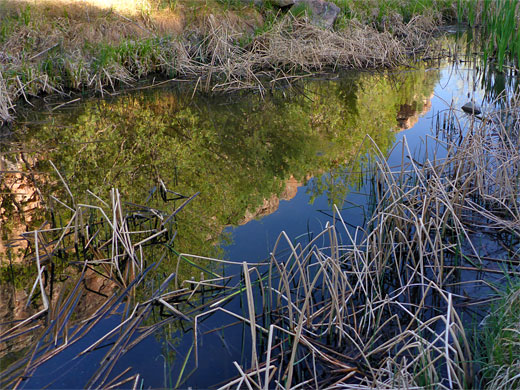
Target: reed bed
380, 307
498, 21
103, 244
373, 306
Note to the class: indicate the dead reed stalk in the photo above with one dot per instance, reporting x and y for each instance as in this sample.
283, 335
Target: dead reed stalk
379, 312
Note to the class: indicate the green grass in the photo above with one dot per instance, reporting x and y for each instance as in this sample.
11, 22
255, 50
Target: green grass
301, 9
499, 27
499, 342
377, 11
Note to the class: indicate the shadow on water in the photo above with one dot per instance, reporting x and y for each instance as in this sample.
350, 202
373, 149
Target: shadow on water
277, 162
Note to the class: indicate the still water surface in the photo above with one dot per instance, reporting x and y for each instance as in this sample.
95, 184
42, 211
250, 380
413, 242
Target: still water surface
262, 164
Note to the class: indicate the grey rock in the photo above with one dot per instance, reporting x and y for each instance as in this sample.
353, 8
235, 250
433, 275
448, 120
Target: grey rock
471, 108
254, 2
321, 13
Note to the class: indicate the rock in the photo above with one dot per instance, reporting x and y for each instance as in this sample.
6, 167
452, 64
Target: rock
321, 13
258, 3
471, 108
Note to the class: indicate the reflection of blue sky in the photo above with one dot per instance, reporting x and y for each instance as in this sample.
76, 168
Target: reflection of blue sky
298, 217
254, 241
456, 87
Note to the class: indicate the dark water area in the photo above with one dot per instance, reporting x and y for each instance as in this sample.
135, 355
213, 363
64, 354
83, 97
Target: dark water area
262, 165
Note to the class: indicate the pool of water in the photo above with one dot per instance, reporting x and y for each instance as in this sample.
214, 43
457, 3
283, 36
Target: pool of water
262, 165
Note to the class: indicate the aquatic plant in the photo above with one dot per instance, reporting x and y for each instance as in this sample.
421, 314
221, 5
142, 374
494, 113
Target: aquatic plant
497, 341
355, 307
498, 21
378, 307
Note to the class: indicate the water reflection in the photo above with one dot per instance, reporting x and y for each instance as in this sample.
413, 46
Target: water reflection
243, 153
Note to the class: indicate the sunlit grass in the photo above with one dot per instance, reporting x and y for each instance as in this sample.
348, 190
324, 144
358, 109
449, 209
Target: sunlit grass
126, 6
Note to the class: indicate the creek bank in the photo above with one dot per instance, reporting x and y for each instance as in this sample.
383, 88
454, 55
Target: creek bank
89, 49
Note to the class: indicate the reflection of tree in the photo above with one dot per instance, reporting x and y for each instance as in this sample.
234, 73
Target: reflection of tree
370, 105
237, 154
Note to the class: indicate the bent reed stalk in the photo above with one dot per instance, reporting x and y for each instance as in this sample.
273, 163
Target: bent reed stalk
376, 306
380, 311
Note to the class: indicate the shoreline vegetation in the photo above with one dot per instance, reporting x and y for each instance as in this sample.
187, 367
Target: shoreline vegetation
62, 47
375, 306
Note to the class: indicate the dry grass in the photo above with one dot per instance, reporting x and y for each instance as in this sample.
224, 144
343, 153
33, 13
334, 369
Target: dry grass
372, 307
6, 107
50, 49
293, 47
76, 7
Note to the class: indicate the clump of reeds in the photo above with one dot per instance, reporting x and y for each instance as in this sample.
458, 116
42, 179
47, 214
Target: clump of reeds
102, 244
375, 306
498, 338
498, 20
379, 307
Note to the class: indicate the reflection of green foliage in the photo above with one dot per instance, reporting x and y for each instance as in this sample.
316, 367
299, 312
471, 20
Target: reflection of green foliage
369, 106
18, 275
236, 155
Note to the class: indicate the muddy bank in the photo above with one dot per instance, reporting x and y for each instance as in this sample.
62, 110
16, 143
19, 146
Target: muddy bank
65, 47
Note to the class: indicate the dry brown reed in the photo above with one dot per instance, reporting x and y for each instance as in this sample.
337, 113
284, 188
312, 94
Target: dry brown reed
376, 308
101, 241
293, 45
6, 107
372, 307
100, 49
